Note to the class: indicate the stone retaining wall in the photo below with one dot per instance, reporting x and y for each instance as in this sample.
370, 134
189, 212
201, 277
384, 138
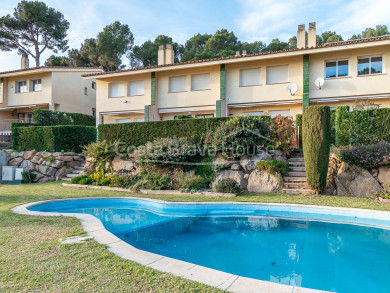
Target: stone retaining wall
46, 166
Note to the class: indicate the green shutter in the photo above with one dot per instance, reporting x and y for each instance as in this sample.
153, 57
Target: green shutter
218, 108
222, 82
146, 114
153, 87
306, 84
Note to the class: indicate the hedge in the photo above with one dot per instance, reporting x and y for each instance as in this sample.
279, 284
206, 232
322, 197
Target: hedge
316, 134
139, 133
362, 126
51, 118
53, 138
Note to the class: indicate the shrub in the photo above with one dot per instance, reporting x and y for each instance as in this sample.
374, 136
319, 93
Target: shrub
53, 138
155, 181
367, 156
189, 181
241, 135
316, 144
165, 151
86, 181
282, 131
139, 133
77, 179
100, 151
342, 126
124, 181
226, 185
273, 167
28, 177
51, 118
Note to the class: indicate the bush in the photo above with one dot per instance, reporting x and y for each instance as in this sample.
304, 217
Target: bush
80, 179
282, 131
51, 118
273, 167
316, 136
53, 138
124, 181
155, 181
101, 151
298, 126
189, 181
241, 135
367, 156
342, 126
139, 133
226, 185
28, 177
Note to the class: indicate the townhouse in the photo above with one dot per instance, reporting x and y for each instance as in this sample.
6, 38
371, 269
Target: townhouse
51, 88
272, 83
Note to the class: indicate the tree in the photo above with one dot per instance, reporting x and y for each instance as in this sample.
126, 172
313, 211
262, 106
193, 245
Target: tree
380, 30
195, 47
276, 45
222, 40
57, 61
328, 37
33, 28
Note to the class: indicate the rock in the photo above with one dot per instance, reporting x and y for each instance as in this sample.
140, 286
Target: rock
46, 179
45, 154
78, 158
119, 165
374, 172
222, 162
238, 176
37, 176
46, 170
384, 176
62, 172
64, 158
280, 158
249, 164
16, 161
276, 153
246, 176
74, 164
355, 181
69, 154
261, 181
58, 164
235, 167
35, 159
28, 155
25, 164
14, 155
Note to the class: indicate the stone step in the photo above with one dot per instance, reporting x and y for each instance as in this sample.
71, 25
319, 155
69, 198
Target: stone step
296, 185
297, 159
71, 175
295, 179
296, 174
296, 164
297, 169
80, 168
298, 191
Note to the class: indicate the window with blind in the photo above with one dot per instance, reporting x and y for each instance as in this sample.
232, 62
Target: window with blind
177, 84
200, 82
283, 113
123, 120
117, 90
136, 88
250, 77
21, 86
36, 85
277, 74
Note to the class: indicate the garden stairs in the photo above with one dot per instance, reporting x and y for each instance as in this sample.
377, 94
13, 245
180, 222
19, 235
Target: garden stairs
76, 172
295, 181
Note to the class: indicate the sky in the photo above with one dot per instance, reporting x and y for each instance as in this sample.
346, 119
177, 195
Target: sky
250, 20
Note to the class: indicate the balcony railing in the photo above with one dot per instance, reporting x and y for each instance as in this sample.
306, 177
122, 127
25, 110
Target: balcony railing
5, 124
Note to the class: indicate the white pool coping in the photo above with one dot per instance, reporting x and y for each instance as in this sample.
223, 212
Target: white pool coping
222, 280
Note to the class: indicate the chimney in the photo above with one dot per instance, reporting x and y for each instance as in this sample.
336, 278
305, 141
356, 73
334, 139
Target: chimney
312, 35
237, 53
301, 37
161, 55
244, 52
24, 61
169, 54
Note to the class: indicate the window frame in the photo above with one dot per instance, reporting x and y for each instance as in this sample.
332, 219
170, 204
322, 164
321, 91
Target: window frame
204, 73
143, 88
202, 116
369, 57
32, 84
240, 77
93, 85
109, 90
281, 65
337, 68
17, 87
169, 84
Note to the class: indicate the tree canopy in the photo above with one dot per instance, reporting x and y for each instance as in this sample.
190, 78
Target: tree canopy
33, 28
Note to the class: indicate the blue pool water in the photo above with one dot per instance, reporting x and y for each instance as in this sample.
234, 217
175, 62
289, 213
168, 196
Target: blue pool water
321, 249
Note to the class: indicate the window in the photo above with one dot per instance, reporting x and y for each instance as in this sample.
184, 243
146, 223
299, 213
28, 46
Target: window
29, 117
284, 113
136, 88
93, 112
369, 65
21, 86
337, 68
139, 119
200, 82
177, 84
277, 74
21, 117
36, 85
123, 120
250, 77
85, 91
204, 116
254, 113
94, 85
117, 90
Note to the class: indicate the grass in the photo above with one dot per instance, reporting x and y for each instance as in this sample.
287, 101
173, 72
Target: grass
32, 259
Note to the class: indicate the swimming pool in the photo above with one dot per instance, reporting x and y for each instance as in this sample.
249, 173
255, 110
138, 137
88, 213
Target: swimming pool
332, 249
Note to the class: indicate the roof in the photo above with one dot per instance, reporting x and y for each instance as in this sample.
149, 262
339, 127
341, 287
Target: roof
302, 51
51, 68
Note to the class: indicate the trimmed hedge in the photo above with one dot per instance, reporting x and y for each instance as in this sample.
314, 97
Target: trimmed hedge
298, 125
139, 133
51, 118
316, 134
362, 126
53, 138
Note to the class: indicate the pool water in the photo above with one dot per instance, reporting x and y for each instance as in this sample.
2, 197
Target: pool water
280, 246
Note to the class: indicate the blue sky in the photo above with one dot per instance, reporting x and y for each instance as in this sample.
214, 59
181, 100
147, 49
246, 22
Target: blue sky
250, 20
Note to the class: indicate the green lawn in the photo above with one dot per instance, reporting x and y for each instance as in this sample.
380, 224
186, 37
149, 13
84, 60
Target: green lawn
32, 259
